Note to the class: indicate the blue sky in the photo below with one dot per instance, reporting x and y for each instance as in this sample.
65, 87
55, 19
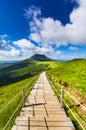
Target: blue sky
55, 28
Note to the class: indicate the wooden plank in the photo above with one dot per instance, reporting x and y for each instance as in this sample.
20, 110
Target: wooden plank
42, 110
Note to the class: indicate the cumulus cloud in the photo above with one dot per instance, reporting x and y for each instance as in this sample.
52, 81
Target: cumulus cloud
76, 30
35, 37
3, 41
3, 36
72, 56
33, 11
73, 48
27, 48
25, 45
13, 54
47, 32
24, 48
50, 31
3, 44
7, 50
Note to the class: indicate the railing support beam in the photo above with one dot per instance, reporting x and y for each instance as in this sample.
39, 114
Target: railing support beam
62, 95
23, 99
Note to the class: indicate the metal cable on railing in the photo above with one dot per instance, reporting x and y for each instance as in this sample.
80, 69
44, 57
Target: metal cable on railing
57, 92
22, 102
12, 116
27, 92
26, 85
12, 99
63, 101
74, 115
84, 108
10, 102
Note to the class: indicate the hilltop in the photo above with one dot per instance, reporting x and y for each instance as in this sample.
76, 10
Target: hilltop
40, 57
24, 63
23, 69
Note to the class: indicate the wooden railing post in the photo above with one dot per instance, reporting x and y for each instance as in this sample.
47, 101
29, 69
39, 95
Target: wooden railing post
52, 81
23, 98
62, 95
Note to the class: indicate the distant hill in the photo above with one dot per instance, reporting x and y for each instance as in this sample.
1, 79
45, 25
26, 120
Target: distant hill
78, 59
40, 57
2, 65
23, 69
25, 63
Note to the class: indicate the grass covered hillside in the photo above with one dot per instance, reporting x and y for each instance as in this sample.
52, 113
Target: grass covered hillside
12, 79
73, 73
21, 70
25, 74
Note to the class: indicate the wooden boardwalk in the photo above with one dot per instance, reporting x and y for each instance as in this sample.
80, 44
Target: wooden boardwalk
42, 110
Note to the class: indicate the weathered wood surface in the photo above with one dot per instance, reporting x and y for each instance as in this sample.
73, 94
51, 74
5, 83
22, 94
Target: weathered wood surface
42, 110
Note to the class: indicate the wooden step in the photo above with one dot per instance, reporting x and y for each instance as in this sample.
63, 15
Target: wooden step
38, 123
42, 110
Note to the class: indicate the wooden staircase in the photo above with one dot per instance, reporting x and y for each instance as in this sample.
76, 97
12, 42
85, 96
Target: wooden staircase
42, 110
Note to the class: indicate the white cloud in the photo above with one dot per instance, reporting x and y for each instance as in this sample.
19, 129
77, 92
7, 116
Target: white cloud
13, 54
56, 54
24, 44
7, 51
32, 11
23, 48
73, 48
71, 56
50, 31
3, 44
28, 49
35, 37
76, 31
3, 36
3, 41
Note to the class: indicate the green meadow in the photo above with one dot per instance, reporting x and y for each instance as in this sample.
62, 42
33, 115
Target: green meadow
12, 79
71, 74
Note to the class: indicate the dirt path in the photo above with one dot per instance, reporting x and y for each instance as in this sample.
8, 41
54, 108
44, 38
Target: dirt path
42, 110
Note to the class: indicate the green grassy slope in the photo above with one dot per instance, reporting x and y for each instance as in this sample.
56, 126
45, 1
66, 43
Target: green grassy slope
4, 65
19, 71
73, 73
7, 93
12, 78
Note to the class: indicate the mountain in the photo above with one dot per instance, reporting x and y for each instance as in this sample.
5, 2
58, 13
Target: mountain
26, 62
23, 69
78, 59
5, 64
40, 57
